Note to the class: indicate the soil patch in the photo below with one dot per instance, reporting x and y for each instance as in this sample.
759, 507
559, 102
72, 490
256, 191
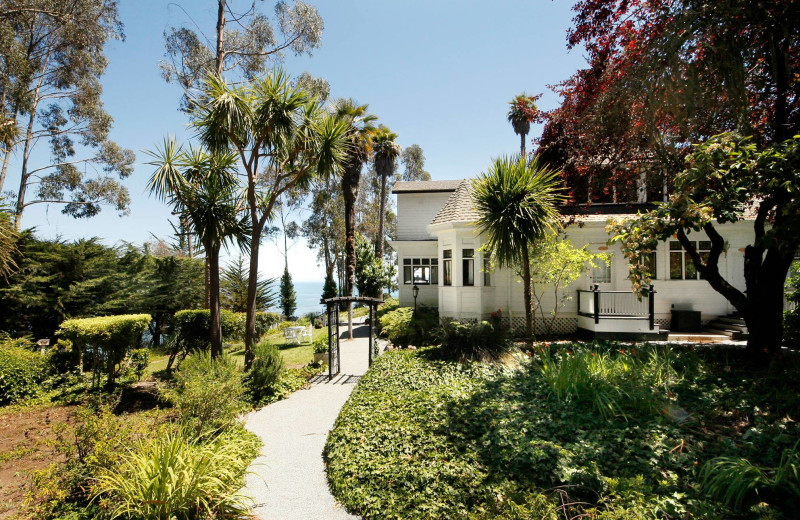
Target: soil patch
25, 446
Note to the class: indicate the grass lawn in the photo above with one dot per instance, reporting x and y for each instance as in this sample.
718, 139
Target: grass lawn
604, 430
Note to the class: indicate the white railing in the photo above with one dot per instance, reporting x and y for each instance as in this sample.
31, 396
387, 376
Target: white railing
599, 304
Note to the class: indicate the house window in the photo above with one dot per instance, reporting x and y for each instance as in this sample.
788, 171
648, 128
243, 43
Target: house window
602, 273
447, 266
487, 276
421, 271
681, 266
468, 264
648, 261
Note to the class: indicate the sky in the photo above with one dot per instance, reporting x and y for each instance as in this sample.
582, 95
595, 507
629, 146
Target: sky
439, 73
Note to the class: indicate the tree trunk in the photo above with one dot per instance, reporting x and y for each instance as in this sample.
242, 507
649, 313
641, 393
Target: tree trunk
220, 55
7, 156
522, 145
208, 282
252, 291
382, 221
350, 181
764, 312
23, 180
216, 324
526, 280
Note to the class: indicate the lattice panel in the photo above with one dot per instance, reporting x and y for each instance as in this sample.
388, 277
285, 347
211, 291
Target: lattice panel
558, 326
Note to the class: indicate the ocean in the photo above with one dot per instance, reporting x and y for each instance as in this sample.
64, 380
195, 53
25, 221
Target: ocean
308, 295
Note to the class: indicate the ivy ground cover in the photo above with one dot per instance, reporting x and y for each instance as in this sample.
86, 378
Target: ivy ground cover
602, 430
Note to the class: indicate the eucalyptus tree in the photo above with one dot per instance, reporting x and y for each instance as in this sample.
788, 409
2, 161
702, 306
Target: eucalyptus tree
385, 153
203, 188
243, 43
413, 159
283, 138
51, 61
516, 200
359, 134
521, 113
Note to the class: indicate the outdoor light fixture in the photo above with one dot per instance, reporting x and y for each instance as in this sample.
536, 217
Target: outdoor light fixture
415, 291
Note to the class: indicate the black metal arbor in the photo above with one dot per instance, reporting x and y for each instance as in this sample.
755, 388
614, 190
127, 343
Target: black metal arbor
333, 305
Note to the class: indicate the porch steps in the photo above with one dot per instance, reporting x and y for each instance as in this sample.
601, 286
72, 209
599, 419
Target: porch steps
731, 326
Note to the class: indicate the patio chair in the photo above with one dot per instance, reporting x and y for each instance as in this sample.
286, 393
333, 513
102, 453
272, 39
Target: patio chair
307, 335
291, 335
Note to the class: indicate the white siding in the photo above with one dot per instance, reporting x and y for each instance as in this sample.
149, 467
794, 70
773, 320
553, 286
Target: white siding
415, 211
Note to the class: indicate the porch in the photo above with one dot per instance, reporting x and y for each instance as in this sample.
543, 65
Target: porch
606, 314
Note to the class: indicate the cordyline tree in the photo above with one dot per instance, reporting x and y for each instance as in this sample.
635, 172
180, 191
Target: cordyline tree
51, 61
666, 74
727, 177
516, 200
203, 189
284, 139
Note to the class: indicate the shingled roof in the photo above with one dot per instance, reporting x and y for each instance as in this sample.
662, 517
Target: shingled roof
425, 186
458, 208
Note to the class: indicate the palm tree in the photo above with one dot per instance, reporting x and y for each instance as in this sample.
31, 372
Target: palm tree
385, 153
521, 114
360, 131
516, 200
202, 188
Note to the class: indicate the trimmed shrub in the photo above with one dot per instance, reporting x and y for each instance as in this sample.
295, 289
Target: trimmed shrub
179, 476
264, 322
21, 373
403, 328
263, 376
208, 393
468, 341
107, 338
194, 328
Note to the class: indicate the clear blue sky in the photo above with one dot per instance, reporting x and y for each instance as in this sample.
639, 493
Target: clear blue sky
440, 73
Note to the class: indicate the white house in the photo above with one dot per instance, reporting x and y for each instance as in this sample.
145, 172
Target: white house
439, 251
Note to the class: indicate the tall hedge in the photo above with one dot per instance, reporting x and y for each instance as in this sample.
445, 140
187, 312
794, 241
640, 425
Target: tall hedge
194, 327
21, 371
107, 338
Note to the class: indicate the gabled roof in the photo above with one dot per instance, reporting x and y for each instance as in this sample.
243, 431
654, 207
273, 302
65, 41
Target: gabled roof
425, 186
458, 208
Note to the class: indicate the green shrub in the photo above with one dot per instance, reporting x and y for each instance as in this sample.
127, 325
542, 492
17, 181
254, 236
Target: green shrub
738, 483
791, 328
264, 322
321, 345
108, 339
179, 476
21, 373
140, 360
194, 328
462, 341
263, 376
404, 328
94, 443
208, 393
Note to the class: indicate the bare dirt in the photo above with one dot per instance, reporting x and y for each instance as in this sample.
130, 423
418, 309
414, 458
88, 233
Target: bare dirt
25, 446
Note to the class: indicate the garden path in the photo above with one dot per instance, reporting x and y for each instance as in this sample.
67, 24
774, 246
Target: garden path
288, 480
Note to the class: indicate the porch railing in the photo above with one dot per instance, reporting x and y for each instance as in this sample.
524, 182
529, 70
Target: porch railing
625, 305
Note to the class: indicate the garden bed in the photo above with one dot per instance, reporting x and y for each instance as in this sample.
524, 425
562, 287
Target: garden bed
423, 438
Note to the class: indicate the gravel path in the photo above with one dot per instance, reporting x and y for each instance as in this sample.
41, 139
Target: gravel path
289, 481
